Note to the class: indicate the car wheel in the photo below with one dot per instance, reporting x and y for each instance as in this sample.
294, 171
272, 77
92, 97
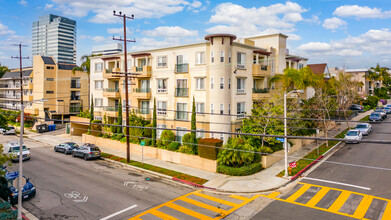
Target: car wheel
66, 152
55, 149
73, 154
85, 157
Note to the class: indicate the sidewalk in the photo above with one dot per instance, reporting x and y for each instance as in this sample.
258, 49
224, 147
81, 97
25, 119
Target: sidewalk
263, 181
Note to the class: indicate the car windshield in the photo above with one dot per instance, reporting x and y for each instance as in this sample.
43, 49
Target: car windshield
374, 114
352, 133
387, 108
72, 144
361, 126
17, 148
94, 149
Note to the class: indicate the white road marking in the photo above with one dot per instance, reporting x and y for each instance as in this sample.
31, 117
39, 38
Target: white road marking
82, 200
119, 212
344, 184
138, 187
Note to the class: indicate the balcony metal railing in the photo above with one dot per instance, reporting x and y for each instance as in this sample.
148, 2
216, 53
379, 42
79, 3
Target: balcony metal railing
111, 108
264, 90
143, 111
75, 98
241, 115
142, 90
182, 92
161, 90
74, 109
109, 70
182, 68
240, 91
75, 85
111, 90
161, 112
139, 69
181, 115
4, 85
241, 66
264, 67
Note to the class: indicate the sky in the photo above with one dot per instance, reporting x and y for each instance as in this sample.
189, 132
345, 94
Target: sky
341, 33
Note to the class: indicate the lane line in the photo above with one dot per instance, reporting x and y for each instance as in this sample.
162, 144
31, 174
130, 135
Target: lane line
119, 212
338, 183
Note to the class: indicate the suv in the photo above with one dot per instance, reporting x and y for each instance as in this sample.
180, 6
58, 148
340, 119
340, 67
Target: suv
13, 150
356, 107
9, 130
66, 147
375, 116
9, 188
87, 151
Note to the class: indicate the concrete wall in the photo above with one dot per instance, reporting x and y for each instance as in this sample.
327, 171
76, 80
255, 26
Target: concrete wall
155, 153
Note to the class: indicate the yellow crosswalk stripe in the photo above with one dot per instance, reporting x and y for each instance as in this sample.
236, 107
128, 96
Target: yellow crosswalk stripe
215, 199
187, 211
338, 203
363, 207
321, 193
298, 193
203, 205
161, 215
239, 197
273, 194
387, 211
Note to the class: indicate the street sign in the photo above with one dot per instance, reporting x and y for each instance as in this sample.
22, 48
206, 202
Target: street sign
292, 164
142, 143
282, 140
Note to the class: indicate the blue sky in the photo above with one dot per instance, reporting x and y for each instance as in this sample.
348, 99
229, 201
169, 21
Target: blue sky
349, 33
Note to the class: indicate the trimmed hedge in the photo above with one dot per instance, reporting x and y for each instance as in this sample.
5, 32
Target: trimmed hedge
173, 146
240, 171
209, 152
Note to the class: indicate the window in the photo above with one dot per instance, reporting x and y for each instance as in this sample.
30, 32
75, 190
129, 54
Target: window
160, 131
221, 109
241, 110
221, 83
161, 108
229, 83
75, 95
200, 108
181, 89
144, 107
229, 56
98, 67
200, 83
221, 136
162, 61
180, 133
211, 108
211, 83
49, 92
200, 58
49, 79
240, 85
229, 109
272, 65
162, 86
222, 56
200, 134
181, 113
31, 80
98, 84
212, 57
75, 83
182, 65
50, 67
98, 102
301, 66
31, 92
241, 62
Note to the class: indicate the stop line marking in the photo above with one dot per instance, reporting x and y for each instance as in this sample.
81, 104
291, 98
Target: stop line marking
343, 184
119, 212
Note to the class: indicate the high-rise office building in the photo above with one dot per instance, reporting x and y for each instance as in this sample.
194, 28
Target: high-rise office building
55, 36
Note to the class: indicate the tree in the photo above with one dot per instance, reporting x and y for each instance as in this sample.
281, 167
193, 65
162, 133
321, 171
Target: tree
230, 156
3, 122
154, 123
84, 67
379, 73
346, 93
119, 118
296, 79
193, 119
4, 158
91, 112
3, 70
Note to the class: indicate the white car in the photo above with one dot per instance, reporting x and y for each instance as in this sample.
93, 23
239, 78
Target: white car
13, 150
365, 128
353, 136
9, 130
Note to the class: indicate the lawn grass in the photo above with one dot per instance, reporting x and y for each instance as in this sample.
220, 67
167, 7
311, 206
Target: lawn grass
161, 170
309, 158
366, 118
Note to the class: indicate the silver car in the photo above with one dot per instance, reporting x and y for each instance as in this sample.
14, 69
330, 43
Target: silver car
365, 128
87, 151
66, 147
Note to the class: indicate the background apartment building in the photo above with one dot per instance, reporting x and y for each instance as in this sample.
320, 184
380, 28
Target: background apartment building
224, 76
55, 36
10, 88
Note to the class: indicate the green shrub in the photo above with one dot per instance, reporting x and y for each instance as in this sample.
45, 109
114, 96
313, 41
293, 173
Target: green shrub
367, 108
113, 129
209, 152
190, 142
148, 142
231, 156
123, 140
185, 150
147, 132
118, 137
166, 138
240, 171
372, 101
174, 146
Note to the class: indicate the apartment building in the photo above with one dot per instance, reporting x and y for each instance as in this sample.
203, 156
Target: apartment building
224, 75
66, 93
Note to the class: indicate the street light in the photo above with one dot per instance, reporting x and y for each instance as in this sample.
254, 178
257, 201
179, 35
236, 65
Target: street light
20, 187
286, 130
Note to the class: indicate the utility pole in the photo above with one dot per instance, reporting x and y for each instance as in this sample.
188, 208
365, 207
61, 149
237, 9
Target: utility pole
125, 74
20, 45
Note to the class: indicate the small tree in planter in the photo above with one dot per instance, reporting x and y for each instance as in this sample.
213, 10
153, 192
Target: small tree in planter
91, 112
119, 118
154, 124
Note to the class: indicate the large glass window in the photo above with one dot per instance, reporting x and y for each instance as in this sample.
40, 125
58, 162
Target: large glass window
241, 109
162, 86
98, 67
200, 83
241, 60
161, 108
200, 108
181, 111
162, 61
200, 58
98, 84
241, 85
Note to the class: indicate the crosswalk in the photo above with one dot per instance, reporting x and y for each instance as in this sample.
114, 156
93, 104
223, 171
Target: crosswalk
196, 205
338, 201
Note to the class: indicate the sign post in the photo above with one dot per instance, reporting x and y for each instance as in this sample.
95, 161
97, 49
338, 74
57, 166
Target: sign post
142, 143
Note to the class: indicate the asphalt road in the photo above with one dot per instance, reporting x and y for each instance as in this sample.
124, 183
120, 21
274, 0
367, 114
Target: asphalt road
365, 173
71, 188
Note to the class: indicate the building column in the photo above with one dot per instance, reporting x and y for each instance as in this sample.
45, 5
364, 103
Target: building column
257, 58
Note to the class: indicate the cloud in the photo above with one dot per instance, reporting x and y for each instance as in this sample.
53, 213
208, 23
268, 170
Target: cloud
334, 23
151, 43
119, 31
99, 39
236, 19
315, 47
48, 6
140, 8
170, 31
5, 31
361, 12
22, 2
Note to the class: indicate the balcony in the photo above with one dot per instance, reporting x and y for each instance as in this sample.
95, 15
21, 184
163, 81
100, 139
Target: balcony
261, 70
143, 111
240, 91
4, 86
111, 111
111, 93
142, 93
181, 92
143, 71
179, 115
182, 68
75, 98
75, 85
75, 109
259, 94
108, 73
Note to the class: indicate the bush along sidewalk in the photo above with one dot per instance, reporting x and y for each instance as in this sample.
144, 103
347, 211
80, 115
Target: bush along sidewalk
312, 156
161, 170
6, 211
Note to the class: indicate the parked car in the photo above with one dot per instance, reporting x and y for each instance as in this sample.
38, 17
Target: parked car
382, 112
87, 151
353, 136
13, 150
388, 110
375, 116
66, 147
9, 130
365, 128
9, 188
356, 107
389, 105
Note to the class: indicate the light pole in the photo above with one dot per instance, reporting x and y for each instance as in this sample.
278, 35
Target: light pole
20, 187
286, 130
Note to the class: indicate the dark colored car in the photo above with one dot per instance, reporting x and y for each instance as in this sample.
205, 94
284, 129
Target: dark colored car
382, 112
356, 107
375, 117
66, 147
9, 188
87, 151
388, 110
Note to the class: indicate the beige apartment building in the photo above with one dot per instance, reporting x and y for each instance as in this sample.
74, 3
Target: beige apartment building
225, 76
66, 93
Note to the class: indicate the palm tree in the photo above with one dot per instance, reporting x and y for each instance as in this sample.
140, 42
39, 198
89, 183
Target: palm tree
84, 67
3, 70
296, 79
377, 73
